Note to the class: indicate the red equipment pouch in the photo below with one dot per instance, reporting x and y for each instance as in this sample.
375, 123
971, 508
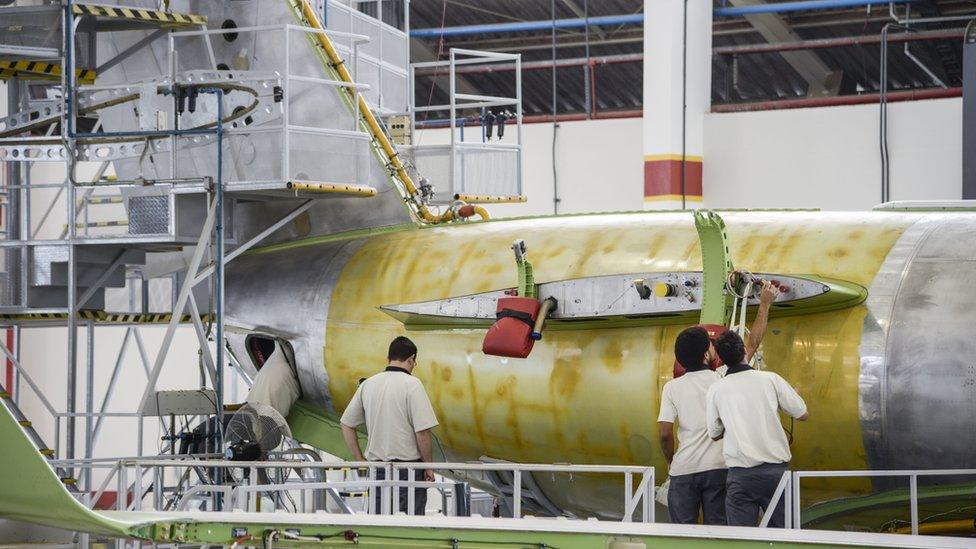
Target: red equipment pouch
509, 335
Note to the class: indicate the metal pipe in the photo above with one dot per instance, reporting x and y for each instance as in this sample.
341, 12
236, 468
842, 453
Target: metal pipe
922, 66
89, 402
821, 43
802, 5
637, 18
908, 95
529, 26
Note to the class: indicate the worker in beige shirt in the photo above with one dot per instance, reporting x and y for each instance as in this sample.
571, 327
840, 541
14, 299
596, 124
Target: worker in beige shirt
697, 470
398, 416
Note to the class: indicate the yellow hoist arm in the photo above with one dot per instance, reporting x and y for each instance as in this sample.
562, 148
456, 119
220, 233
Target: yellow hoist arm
307, 15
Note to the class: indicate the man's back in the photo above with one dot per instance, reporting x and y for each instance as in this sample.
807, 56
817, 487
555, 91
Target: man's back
683, 399
275, 384
746, 404
394, 406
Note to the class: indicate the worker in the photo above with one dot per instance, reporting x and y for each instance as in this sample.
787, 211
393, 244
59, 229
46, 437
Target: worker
697, 470
275, 384
743, 408
399, 417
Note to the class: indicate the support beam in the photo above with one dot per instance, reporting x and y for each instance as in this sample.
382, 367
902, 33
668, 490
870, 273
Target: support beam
969, 113
572, 6
820, 79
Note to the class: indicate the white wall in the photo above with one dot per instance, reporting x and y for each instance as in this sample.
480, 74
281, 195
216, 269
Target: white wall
825, 158
599, 166
829, 158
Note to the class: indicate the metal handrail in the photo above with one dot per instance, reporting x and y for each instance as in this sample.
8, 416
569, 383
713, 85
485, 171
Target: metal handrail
640, 496
788, 490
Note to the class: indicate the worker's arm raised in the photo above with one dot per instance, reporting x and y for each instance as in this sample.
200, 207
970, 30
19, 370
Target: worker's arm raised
767, 296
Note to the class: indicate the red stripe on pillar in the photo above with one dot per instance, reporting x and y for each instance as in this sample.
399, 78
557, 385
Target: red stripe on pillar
663, 178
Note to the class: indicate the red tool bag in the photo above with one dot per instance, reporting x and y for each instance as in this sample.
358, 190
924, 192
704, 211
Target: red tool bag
714, 330
510, 335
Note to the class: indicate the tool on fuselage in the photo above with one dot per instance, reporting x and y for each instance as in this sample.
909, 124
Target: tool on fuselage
520, 317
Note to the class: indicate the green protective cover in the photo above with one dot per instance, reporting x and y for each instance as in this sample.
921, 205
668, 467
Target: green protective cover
32, 492
716, 265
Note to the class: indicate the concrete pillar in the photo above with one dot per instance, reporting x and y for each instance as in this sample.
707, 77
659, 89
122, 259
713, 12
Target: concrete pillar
677, 81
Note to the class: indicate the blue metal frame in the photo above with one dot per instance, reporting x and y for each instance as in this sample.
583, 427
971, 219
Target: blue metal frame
638, 18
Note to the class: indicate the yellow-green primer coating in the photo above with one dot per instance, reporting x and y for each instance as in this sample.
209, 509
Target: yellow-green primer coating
591, 396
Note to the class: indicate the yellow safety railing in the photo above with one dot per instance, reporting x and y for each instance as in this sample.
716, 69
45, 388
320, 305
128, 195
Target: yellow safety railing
307, 16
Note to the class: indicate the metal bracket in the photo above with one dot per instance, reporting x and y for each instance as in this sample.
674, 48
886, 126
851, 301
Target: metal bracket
716, 306
526, 280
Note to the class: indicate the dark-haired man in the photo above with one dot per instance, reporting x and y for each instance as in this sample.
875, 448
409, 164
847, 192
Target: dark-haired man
398, 415
697, 469
743, 407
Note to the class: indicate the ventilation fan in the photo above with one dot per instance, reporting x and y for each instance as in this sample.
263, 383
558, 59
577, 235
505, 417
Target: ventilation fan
254, 431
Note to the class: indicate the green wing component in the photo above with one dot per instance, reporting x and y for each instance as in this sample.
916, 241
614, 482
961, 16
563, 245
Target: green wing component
716, 306
32, 492
526, 280
314, 426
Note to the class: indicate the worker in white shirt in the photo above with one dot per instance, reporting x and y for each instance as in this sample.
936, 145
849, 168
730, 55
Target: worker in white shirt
399, 417
697, 471
743, 407
275, 383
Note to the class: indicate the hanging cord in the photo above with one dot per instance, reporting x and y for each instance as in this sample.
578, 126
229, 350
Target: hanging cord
555, 113
740, 305
684, 105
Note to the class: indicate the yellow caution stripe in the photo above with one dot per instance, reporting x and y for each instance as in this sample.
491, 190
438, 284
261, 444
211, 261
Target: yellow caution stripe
97, 224
338, 188
101, 200
167, 19
41, 70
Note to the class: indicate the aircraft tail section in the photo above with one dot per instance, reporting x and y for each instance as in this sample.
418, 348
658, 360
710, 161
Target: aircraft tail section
32, 492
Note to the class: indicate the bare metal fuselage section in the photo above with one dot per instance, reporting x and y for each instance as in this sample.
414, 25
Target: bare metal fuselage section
889, 382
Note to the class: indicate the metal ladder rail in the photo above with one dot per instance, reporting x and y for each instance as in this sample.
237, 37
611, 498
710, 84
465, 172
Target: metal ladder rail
384, 148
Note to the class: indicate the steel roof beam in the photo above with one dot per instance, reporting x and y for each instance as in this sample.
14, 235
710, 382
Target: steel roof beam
820, 79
